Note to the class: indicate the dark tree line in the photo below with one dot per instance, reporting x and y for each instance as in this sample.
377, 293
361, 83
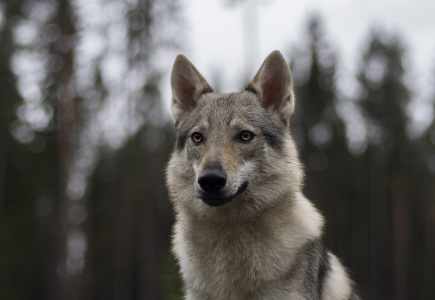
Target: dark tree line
378, 202
84, 139
84, 210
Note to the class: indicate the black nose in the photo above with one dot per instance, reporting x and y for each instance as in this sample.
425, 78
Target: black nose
212, 180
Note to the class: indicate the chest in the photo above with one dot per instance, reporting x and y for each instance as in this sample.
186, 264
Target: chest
228, 259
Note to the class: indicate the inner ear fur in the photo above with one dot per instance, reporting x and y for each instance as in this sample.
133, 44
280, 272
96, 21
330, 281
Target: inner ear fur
187, 86
273, 83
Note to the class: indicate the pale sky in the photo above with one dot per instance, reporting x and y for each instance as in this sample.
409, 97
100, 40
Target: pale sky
215, 39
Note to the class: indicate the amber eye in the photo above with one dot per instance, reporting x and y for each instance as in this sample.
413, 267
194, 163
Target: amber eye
246, 136
197, 137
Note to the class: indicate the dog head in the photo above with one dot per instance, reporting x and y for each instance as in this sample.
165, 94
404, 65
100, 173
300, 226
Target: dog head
233, 152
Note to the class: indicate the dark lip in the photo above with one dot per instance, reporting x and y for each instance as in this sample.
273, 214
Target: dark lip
215, 200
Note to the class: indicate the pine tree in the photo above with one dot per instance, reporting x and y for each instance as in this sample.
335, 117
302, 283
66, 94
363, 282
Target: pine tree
47, 161
129, 212
321, 136
30, 177
384, 100
426, 218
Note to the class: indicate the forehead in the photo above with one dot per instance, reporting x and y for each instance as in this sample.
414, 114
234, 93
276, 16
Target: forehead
220, 110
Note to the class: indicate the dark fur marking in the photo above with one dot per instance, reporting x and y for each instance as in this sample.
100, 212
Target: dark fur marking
324, 267
205, 91
273, 134
183, 128
251, 89
273, 140
312, 260
180, 139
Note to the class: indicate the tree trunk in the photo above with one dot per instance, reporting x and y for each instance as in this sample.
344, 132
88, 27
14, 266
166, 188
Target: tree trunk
64, 90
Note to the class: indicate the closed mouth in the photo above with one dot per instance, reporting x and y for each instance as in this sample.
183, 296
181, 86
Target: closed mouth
213, 199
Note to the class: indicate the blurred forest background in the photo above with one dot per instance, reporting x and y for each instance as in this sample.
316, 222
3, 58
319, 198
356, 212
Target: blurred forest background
84, 139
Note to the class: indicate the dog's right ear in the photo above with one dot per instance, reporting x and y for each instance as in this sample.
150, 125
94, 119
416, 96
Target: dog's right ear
187, 86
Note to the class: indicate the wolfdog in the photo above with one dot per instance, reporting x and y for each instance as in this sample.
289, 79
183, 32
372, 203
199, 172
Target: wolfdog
244, 229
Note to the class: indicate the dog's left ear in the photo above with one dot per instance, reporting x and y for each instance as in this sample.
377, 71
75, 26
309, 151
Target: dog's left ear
273, 84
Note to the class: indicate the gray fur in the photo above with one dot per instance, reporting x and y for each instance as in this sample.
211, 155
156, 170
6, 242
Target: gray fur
257, 236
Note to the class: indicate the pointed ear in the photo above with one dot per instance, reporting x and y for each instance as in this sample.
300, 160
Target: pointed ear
187, 86
273, 84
